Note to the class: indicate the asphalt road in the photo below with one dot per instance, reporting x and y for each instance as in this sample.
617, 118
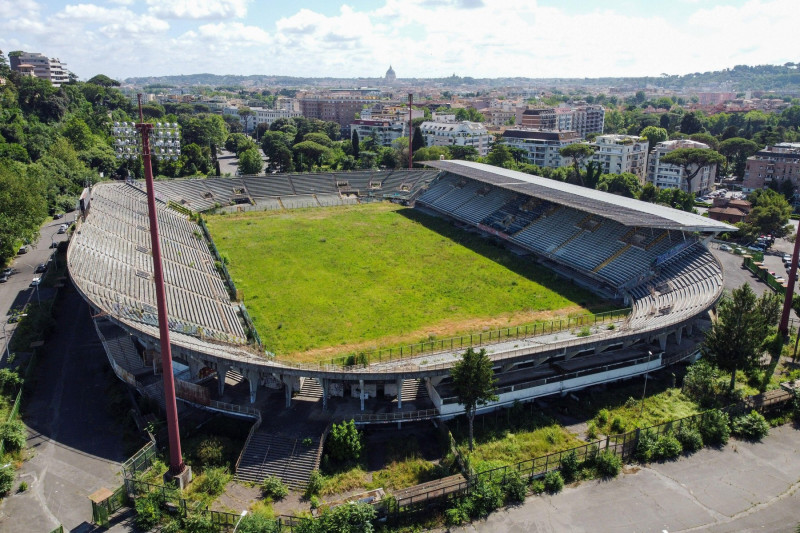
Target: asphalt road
75, 444
17, 292
743, 487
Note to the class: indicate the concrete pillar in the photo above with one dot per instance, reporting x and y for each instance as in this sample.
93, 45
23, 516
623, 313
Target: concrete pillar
324, 384
662, 341
679, 334
222, 371
287, 380
361, 392
252, 379
195, 366
690, 328
399, 393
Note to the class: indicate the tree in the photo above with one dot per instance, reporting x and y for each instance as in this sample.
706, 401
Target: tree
737, 336
578, 152
473, 383
654, 135
309, 153
417, 141
690, 124
499, 156
356, 143
103, 81
23, 206
344, 442
592, 175
468, 153
692, 161
705, 138
250, 161
625, 184
737, 150
770, 213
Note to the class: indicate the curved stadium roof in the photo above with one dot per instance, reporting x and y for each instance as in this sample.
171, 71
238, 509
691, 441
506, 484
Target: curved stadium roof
627, 211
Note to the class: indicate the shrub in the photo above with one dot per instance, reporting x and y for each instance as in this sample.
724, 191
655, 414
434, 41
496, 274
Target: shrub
6, 479
702, 383
199, 523
13, 433
645, 446
603, 416
344, 442
457, 515
570, 466
485, 498
591, 431
553, 482
667, 447
314, 501
752, 426
617, 425
22, 487
272, 486
608, 464
714, 428
514, 488
355, 517
211, 452
690, 439
315, 482
148, 510
9, 380
214, 480
537, 486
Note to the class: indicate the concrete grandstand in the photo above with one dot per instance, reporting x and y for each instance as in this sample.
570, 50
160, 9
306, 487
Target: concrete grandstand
651, 257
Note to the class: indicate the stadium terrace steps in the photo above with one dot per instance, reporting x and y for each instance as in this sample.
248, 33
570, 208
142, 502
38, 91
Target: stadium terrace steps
272, 454
121, 261
415, 391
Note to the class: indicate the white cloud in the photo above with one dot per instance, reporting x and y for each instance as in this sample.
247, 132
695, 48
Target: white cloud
420, 38
198, 9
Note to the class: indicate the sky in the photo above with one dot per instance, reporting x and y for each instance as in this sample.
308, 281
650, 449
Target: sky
418, 38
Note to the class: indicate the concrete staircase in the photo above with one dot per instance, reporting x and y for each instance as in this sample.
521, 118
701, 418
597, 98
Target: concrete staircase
310, 389
414, 391
271, 454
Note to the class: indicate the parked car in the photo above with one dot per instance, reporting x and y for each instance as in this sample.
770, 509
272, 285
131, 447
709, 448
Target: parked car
36, 281
23, 250
58, 216
780, 279
725, 248
8, 271
755, 248
41, 267
3, 278
62, 228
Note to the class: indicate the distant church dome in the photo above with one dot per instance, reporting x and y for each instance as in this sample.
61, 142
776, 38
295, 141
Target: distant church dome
390, 75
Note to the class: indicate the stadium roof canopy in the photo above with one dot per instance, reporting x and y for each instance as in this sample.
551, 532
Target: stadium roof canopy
627, 211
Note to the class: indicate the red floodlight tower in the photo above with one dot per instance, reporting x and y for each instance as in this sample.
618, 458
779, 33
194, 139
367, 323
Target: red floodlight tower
166, 141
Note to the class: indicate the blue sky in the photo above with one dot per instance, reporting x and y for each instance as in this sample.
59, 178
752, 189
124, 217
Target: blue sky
419, 38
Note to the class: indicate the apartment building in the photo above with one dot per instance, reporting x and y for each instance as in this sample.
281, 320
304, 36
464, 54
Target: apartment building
337, 106
385, 132
621, 153
541, 147
666, 176
259, 115
584, 119
40, 66
774, 163
456, 134
539, 119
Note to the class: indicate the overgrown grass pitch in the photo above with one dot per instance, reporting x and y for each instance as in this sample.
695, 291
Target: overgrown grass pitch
327, 281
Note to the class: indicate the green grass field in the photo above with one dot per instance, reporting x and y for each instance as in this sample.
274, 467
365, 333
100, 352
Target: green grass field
322, 282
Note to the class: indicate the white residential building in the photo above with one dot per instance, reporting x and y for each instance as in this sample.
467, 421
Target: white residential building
259, 115
384, 131
665, 176
456, 134
621, 153
540, 146
40, 66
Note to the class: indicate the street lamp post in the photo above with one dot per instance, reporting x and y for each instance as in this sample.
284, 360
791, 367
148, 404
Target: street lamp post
160, 141
239, 521
644, 390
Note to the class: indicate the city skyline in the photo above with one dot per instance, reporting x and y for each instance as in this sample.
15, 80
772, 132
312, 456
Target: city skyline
420, 38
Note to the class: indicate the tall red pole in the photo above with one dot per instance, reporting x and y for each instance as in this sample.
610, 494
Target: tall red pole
410, 136
176, 464
783, 327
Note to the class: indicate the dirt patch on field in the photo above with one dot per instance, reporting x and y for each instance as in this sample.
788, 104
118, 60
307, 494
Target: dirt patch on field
443, 330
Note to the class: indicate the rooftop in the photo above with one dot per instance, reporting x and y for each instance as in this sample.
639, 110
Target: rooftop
627, 211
